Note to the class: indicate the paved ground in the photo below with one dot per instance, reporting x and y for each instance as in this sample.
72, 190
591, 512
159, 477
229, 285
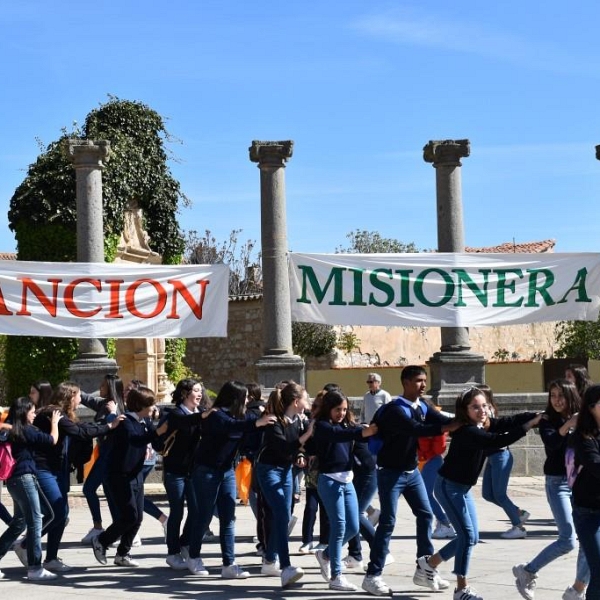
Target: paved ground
490, 568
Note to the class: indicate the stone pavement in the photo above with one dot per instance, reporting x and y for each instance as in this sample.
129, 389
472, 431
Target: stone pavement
490, 567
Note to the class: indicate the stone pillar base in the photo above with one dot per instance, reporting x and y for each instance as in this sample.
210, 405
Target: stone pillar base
451, 372
88, 372
272, 369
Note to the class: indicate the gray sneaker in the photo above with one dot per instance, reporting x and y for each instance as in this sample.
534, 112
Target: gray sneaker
99, 551
525, 581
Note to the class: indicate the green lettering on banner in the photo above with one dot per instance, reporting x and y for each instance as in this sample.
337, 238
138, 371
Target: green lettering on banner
480, 294
420, 280
503, 285
382, 286
579, 285
404, 288
308, 276
541, 289
358, 287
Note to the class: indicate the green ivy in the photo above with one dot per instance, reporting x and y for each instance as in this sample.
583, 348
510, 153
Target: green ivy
174, 354
43, 217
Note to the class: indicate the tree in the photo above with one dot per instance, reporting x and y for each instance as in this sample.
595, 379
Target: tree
371, 242
244, 263
578, 339
43, 214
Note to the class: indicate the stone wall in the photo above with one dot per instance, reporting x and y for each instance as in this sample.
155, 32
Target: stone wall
218, 360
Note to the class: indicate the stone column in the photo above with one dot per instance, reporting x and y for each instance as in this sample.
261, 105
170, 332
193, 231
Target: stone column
278, 361
88, 158
454, 366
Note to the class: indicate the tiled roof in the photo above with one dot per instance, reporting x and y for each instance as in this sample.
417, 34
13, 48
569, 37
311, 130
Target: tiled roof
8, 256
512, 247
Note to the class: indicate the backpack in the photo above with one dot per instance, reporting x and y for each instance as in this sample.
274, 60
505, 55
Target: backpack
7, 461
376, 441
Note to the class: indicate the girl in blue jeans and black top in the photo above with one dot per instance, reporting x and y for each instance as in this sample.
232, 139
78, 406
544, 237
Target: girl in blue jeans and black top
334, 436
24, 488
177, 468
586, 489
561, 417
459, 473
279, 450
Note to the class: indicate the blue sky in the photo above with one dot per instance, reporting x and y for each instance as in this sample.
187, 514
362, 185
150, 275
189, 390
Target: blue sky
359, 86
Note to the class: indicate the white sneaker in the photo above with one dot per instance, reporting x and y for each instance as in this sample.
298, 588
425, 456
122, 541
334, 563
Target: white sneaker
270, 569
341, 584
40, 574
57, 566
389, 559
516, 532
572, 594
524, 516
374, 517
290, 575
525, 581
125, 561
307, 548
176, 562
292, 524
92, 533
467, 593
324, 564
234, 572
374, 585
137, 541
443, 532
319, 547
428, 576
99, 550
351, 563
21, 552
196, 566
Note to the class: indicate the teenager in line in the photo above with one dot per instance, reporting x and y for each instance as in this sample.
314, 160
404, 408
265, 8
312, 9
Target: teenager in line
561, 418
459, 473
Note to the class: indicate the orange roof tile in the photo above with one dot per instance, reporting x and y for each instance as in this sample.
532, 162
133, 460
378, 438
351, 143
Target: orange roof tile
513, 247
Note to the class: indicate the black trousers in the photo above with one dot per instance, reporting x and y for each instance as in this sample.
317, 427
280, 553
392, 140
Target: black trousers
128, 496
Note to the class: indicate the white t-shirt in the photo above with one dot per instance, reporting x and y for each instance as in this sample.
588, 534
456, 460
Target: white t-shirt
371, 402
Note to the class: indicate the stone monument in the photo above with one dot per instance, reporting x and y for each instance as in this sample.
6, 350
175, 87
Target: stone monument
88, 157
278, 361
454, 366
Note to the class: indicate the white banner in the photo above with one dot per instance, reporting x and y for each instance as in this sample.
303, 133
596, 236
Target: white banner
444, 289
98, 300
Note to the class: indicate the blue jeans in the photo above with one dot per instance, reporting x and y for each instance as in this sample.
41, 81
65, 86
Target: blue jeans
457, 501
276, 485
54, 489
97, 477
429, 474
558, 494
180, 492
342, 509
214, 488
587, 524
365, 484
495, 483
149, 507
27, 498
391, 484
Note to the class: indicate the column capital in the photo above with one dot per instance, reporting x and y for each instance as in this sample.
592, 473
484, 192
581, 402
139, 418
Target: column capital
88, 153
274, 154
598, 152
446, 152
